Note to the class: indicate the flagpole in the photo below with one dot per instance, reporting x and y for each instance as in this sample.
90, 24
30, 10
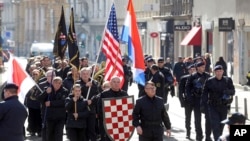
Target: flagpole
97, 58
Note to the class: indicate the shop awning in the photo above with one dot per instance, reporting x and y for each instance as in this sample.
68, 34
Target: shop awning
193, 37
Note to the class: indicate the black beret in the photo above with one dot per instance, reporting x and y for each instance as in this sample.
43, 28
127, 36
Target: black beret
218, 67
198, 64
160, 60
11, 86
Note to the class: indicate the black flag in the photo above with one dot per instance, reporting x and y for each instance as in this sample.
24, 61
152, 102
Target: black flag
60, 43
72, 44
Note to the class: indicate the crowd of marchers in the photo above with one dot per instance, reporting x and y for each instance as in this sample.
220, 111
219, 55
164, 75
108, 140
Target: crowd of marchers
71, 98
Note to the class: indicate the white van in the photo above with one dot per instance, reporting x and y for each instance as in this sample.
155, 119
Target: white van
42, 49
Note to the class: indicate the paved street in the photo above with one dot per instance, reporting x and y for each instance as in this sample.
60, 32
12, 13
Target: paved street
176, 114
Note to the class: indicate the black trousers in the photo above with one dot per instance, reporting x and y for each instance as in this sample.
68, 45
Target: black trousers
54, 130
104, 136
91, 130
76, 134
188, 113
152, 134
34, 120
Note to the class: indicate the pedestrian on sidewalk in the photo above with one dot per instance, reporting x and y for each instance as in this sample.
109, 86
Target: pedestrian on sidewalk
12, 115
148, 115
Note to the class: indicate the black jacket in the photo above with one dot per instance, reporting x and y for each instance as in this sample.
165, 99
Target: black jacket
195, 84
150, 111
181, 88
94, 90
127, 77
168, 76
179, 70
56, 110
82, 110
159, 80
12, 118
68, 82
30, 99
214, 90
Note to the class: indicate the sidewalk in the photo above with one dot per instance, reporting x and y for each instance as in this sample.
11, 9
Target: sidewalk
241, 100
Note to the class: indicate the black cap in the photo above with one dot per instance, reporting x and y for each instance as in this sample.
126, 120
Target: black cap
124, 58
160, 60
199, 64
11, 86
218, 67
155, 67
150, 60
190, 66
146, 57
235, 118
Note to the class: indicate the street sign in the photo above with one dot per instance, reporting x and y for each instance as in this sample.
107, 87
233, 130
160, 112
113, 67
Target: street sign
142, 25
154, 34
8, 34
226, 24
182, 27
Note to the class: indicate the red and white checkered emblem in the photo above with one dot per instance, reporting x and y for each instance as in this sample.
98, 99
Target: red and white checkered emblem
118, 117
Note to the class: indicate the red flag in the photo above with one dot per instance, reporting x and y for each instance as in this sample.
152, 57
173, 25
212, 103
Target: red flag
110, 48
19, 76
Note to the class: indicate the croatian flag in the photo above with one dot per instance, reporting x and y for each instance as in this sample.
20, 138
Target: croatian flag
130, 35
17, 75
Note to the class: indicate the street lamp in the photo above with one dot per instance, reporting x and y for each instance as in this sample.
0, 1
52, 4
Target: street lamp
163, 34
1, 9
17, 30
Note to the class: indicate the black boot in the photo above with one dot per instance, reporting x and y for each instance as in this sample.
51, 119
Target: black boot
199, 137
188, 134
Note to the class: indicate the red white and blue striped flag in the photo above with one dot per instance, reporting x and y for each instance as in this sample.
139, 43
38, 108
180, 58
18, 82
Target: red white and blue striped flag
110, 47
131, 36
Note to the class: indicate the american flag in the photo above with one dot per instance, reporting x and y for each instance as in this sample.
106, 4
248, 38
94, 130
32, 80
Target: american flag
110, 47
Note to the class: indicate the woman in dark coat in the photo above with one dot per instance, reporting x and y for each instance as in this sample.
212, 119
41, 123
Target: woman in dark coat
77, 113
223, 64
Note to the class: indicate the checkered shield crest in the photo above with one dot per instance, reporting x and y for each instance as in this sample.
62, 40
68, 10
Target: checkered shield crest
118, 117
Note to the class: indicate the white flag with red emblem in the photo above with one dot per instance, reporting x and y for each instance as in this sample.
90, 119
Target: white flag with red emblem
17, 74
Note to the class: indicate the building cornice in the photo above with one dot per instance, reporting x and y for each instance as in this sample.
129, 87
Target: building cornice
168, 17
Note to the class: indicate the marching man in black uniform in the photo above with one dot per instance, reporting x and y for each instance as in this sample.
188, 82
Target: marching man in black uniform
183, 100
158, 79
148, 115
54, 99
169, 79
218, 92
194, 88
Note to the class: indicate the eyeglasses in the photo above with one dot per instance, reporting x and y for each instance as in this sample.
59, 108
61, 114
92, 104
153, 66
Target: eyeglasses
34, 74
152, 88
